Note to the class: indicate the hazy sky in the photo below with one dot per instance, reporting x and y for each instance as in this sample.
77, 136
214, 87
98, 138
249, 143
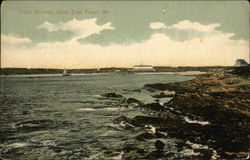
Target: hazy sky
87, 34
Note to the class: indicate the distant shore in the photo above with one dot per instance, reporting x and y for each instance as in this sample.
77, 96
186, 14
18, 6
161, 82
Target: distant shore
26, 71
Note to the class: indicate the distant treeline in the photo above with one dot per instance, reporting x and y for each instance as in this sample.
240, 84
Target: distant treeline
14, 71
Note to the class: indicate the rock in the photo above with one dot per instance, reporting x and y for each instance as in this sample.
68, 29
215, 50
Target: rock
220, 98
230, 155
159, 145
164, 94
242, 71
156, 155
157, 86
238, 155
168, 93
237, 144
141, 121
207, 105
144, 136
205, 82
128, 126
140, 151
133, 100
181, 145
154, 107
122, 119
206, 154
160, 135
134, 90
112, 95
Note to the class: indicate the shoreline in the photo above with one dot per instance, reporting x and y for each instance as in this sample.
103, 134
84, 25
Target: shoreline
187, 73
209, 115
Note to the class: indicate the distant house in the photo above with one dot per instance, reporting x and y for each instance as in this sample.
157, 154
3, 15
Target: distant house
240, 62
143, 68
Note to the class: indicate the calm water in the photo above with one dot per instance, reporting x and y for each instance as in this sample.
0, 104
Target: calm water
66, 118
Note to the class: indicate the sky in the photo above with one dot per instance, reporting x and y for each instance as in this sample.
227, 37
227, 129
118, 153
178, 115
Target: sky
98, 34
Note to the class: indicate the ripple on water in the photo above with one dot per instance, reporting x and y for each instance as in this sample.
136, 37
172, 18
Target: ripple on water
17, 145
106, 109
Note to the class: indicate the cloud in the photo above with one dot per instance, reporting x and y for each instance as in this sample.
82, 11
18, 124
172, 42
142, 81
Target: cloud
195, 26
157, 25
159, 50
13, 40
81, 28
186, 25
212, 48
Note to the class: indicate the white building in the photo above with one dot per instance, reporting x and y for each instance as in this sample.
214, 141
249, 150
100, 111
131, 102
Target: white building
240, 62
143, 68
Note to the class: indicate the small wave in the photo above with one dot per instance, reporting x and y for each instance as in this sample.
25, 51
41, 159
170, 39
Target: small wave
18, 145
127, 125
147, 73
48, 143
200, 146
97, 95
203, 123
85, 102
150, 128
118, 157
171, 108
113, 125
215, 155
197, 146
87, 109
105, 109
121, 124
109, 133
117, 109
189, 152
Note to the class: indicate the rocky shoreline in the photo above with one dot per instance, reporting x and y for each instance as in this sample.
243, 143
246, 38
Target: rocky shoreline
209, 117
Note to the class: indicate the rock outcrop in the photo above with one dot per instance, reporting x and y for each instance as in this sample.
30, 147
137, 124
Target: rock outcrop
218, 109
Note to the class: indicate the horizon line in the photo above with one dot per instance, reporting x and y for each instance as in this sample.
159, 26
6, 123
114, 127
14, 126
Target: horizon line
112, 67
